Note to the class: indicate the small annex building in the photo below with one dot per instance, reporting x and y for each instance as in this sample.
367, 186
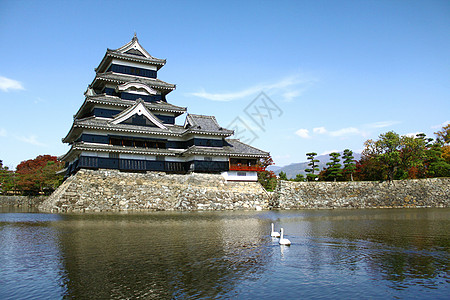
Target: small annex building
126, 123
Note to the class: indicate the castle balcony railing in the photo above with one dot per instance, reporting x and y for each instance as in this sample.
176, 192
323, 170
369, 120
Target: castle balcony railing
243, 167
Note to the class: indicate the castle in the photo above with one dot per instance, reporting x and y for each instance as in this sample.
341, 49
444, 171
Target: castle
126, 123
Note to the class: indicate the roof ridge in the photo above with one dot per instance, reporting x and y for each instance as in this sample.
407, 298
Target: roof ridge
239, 141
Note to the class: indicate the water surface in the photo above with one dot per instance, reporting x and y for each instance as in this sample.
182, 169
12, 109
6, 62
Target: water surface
373, 253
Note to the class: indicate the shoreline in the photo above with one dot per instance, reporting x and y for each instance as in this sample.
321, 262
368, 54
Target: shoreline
104, 191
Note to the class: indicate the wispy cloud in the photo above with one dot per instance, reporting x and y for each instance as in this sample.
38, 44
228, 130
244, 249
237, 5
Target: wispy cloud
32, 139
440, 125
3, 132
329, 151
363, 130
320, 130
382, 124
345, 132
303, 133
289, 87
412, 134
7, 84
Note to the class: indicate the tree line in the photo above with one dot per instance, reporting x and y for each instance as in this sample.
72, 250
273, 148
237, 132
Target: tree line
36, 176
390, 157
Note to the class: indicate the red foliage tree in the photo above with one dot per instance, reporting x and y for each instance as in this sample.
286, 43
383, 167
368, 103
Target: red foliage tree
37, 176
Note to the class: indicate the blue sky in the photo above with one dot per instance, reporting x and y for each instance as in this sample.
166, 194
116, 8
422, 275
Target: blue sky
333, 73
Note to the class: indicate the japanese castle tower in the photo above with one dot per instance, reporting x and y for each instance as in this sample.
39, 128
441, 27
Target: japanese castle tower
126, 123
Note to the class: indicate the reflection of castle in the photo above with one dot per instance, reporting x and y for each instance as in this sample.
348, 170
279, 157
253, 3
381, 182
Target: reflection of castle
126, 123
156, 256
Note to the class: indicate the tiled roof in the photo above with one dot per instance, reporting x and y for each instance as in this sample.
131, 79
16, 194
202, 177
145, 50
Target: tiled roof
121, 103
105, 124
118, 149
153, 106
132, 51
235, 148
122, 78
96, 123
133, 57
239, 148
201, 123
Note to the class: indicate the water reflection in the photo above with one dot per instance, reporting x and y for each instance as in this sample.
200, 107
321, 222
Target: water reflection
334, 253
407, 248
161, 255
30, 257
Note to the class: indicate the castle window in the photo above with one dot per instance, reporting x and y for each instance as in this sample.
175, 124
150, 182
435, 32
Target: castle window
113, 155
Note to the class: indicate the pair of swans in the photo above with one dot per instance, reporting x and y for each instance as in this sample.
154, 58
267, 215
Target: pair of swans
282, 240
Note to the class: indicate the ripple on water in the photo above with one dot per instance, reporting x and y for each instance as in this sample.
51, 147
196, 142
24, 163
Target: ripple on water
226, 255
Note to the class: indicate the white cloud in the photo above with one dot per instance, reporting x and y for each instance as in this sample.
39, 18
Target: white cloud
320, 130
329, 151
7, 84
412, 134
226, 96
3, 132
303, 133
289, 85
382, 124
32, 139
345, 131
440, 125
289, 95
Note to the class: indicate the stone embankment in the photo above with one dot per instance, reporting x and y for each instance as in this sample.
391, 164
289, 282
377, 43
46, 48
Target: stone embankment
433, 192
111, 190
21, 201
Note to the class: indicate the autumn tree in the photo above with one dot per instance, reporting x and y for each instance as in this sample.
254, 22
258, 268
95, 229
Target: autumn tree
267, 178
435, 164
312, 166
412, 157
444, 136
38, 176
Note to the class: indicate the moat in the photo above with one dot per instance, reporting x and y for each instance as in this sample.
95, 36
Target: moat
366, 253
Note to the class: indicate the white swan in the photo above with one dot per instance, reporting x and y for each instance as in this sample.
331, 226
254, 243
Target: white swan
274, 234
282, 240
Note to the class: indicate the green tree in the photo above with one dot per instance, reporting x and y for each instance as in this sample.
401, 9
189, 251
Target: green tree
299, 178
412, 156
444, 134
334, 168
388, 146
7, 179
435, 163
282, 176
311, 176
349, 163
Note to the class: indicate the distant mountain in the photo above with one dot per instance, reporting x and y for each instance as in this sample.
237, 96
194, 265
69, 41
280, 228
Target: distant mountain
273, 168
299, 168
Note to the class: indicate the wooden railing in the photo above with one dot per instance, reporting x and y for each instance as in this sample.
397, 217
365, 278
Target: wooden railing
242, 167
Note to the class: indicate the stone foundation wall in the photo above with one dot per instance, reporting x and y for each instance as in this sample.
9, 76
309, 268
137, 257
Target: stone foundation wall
21, 201
433, 192
111, 190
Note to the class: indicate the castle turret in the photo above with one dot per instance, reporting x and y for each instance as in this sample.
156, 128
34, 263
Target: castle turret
126, 123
